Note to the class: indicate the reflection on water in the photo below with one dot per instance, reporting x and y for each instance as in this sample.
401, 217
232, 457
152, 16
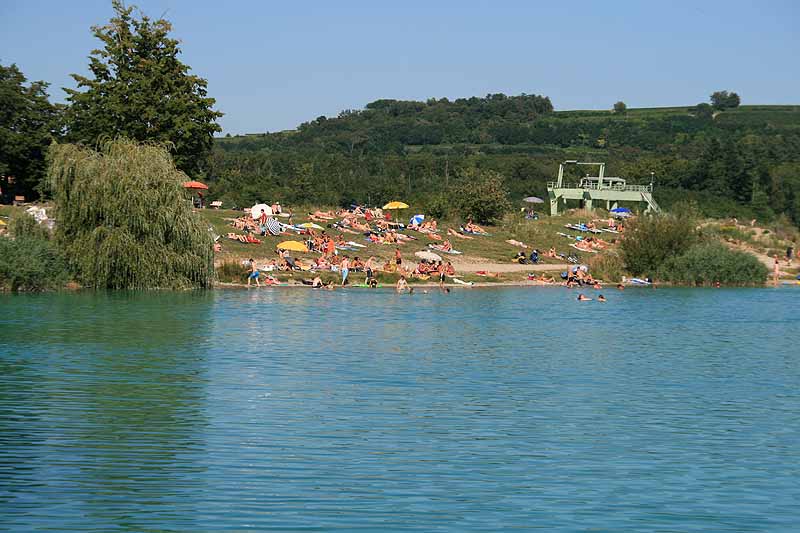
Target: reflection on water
101, 408
477, 410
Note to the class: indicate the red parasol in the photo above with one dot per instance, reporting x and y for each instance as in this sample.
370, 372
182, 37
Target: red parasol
194, 185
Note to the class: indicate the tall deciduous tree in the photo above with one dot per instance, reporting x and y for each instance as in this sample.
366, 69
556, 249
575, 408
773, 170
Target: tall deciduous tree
620, 107
139, 89
28, 122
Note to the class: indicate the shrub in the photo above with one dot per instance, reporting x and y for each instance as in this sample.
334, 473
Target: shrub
30, 261
481, 195
651, 240
711, 262
608, 267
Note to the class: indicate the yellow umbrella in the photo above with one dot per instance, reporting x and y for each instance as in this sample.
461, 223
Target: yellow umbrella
309, 225
2, 223
395, 205
294, 246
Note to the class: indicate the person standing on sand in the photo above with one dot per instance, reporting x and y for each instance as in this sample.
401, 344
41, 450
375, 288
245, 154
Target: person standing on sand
345, 269
254, 273
398, 258
368, 266
262, 221
776, 270
441, 269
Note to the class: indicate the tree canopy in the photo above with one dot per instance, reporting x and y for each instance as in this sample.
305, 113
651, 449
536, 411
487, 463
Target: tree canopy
140, 90
28, 123
721, 100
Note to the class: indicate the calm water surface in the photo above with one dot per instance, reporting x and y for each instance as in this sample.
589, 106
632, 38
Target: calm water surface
481, 410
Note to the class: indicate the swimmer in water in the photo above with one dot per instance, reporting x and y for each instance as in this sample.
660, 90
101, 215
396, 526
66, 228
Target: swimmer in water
620, 286
582, 298
601, 298
402, 285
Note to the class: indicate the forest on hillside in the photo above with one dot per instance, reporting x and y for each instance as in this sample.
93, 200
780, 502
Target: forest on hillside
741, 161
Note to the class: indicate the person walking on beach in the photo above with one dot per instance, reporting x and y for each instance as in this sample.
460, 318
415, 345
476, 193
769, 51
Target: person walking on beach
262, 221
345, 270
776, 270
398, 258
254, 273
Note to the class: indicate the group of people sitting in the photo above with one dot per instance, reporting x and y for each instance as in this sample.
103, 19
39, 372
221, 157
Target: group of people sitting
580, 276
425, 269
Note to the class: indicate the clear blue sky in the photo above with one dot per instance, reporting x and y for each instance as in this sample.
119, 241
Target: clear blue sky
273, 65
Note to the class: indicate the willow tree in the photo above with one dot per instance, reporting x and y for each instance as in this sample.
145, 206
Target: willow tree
123, 219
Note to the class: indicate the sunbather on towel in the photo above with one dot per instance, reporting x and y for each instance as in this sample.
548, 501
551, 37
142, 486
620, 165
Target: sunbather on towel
517, 243
454, 233
474, 228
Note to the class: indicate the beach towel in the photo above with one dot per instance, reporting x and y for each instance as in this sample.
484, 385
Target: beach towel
461, 281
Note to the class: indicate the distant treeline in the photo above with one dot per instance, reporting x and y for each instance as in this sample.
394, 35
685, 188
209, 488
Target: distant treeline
740, 162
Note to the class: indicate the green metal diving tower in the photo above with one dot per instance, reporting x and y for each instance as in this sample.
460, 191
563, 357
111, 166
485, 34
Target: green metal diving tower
591, 189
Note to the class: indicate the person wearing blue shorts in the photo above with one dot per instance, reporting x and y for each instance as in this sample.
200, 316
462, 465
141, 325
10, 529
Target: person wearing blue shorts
254, 273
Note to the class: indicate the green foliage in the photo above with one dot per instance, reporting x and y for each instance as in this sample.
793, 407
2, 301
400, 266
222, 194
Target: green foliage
386, 151
707, 263
438, 206
29, 259
24, 226
608, 266
651, 240
481, 196
722, 100
140, 90
620, 107
124, 220
28, 122
703, 111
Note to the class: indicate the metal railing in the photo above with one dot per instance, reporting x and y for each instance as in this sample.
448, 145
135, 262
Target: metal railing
598, 187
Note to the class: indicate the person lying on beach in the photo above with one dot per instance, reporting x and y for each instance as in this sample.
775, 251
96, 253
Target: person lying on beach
517, 243
486, 274
449, 269
474, 228
454, 233
582, 298
552, 252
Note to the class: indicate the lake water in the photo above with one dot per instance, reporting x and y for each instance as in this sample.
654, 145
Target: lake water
478, 410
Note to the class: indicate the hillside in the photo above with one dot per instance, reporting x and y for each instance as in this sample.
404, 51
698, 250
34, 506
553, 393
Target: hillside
741, 162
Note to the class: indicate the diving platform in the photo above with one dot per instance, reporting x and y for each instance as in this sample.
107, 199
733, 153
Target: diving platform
594, 190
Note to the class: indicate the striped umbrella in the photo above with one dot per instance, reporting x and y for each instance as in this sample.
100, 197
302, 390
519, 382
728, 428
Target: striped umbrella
273, 226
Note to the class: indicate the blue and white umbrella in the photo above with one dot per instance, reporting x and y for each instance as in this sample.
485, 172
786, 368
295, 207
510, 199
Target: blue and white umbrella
273, 226
621, 210
416, 219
